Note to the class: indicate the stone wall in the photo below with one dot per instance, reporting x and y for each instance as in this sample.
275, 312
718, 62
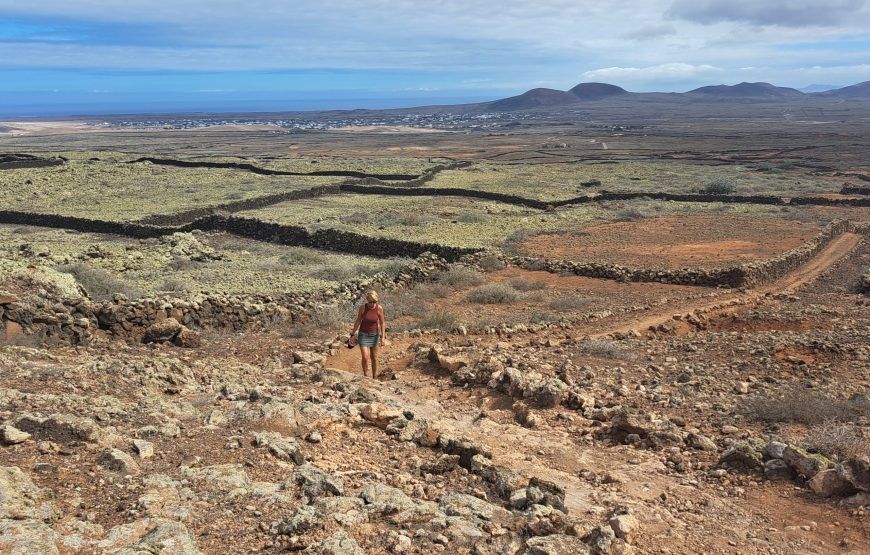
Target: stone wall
326, 239
744, 275
266, 171
854, 190
77, 321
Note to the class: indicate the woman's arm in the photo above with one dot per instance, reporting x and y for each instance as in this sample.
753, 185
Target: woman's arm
358, 321
382, 325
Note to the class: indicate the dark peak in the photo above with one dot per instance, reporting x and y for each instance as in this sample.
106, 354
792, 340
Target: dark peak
535, 98
747, 90
858, 90
596, 91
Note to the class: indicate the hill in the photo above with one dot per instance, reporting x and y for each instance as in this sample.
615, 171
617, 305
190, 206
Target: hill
535, 98
596, 91
747, 90
860, 90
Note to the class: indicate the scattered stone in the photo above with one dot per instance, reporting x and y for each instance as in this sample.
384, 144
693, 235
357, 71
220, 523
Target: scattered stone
10, 435
624, 526
145, 449
118, 461
856, 472
284, 448
162, 331
340, 543
20, 498
314, 482
777, 469
828, 483
556, 544
806, 464
380, 414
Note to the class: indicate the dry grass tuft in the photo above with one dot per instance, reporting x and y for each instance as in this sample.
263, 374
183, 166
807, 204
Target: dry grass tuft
496, 293
806, 406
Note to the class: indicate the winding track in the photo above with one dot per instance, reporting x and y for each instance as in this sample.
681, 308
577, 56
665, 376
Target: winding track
553, 453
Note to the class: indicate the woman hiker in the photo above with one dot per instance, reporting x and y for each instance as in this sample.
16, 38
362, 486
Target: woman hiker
370, 323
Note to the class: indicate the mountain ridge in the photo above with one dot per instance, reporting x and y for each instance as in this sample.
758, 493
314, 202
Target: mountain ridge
593, 91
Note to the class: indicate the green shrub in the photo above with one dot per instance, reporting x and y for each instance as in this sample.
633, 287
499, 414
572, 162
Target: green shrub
496, 293
719, 185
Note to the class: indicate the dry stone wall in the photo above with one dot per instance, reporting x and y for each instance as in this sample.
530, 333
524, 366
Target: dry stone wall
744, 275
76, 321
854, 190
266, 171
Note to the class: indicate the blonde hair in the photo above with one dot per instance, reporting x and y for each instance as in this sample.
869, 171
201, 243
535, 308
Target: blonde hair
373, 295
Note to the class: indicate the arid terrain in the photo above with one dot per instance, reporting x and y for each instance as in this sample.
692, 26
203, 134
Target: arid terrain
602, 337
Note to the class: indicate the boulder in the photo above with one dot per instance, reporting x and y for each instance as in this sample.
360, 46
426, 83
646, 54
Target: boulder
387, 499
474, 509
224, 477
10, 435
305, 518
162, 331
777, 469
805, 464
551, 393
856, 472
284, 448
380, 414
118, 461
314, 482
188, 339
60, 428
162, 536
28, 537
624, 526
543, 520
556, 544
600, 540
743, 455
346, 511
307, 357
828, 483
20, 499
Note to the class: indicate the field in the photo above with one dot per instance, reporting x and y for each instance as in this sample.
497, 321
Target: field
553, 181
607, 376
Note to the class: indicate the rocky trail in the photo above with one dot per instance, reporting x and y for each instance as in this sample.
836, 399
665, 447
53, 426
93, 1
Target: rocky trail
558, 445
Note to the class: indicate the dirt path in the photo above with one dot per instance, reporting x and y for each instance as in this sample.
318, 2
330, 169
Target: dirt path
558, 450
830, 255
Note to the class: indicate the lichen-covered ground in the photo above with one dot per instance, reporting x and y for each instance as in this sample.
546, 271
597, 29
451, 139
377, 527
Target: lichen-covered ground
180, 263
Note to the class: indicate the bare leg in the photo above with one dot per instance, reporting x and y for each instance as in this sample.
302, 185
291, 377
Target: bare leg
375, 350
365, 352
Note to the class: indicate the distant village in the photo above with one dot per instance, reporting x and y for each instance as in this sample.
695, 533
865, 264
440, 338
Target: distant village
444, 121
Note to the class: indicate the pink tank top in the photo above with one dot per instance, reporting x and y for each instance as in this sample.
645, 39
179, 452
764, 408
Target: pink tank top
369, 322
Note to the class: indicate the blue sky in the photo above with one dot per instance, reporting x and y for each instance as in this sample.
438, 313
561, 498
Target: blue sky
92, 56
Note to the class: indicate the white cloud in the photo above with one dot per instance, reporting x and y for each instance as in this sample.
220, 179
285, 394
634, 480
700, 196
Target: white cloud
669, 71
515, 43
